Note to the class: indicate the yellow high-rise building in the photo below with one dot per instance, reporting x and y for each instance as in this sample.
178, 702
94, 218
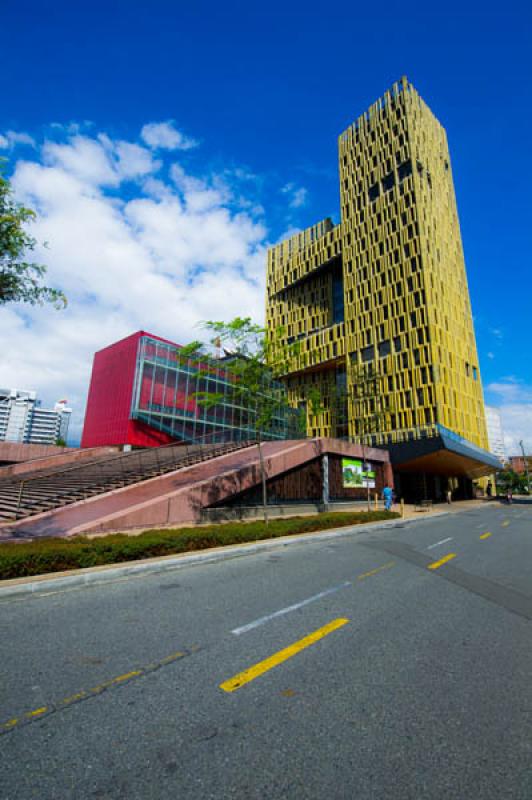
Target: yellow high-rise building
379, 303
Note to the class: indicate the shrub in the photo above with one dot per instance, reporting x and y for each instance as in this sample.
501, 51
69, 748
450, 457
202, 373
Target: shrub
55, 555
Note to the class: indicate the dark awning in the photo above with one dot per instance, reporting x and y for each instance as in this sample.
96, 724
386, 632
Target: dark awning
445, 454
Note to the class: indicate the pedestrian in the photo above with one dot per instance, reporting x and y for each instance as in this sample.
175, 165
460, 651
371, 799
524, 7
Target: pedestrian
509, 495
449, 496
387, 494
488, 489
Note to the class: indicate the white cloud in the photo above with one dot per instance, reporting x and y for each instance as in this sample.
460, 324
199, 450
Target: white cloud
175, 249
100, 161
299, 198
84, 158
165, 136
514, 399
134, 160
491, 355
13, 138
297, 195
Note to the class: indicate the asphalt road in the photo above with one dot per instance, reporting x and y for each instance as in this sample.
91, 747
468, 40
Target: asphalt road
392, 664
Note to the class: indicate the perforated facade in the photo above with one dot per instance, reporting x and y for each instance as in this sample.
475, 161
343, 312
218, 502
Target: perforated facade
380, 303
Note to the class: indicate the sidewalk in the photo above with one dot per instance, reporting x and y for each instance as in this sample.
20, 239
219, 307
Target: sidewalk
451, 508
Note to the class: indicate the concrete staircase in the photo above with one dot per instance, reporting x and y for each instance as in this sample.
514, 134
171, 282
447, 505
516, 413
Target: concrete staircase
44, 490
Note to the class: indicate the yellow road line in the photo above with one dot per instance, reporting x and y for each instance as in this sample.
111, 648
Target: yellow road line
37, 712
29, 716
505, 524
485, 535
374, 571
73, 698
444, 560
283, 655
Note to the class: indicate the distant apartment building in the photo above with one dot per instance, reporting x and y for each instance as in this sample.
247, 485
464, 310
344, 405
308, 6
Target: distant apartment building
22, 418
495, 433
378, 304
520, 464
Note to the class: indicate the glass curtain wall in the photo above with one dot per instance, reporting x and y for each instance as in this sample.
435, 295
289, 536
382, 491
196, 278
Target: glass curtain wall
165, 396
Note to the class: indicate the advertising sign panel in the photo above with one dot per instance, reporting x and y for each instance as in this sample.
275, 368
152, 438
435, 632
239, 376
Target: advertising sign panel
357, 475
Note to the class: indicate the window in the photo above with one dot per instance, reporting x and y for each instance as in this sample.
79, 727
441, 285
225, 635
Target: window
388, 182
373, 192
475, 373
404, 170
384, 349
397, 344
338, 314
368, 353
341, 380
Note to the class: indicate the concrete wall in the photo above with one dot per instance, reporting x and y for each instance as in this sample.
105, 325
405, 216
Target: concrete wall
32, 457
179, 497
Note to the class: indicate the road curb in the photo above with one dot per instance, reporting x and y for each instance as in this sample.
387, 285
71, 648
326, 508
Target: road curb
111, 572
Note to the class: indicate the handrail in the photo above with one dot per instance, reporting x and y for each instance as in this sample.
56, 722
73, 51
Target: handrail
146, 464
111, 459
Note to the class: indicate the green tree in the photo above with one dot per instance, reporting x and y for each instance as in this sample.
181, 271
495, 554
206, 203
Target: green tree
508, 479
20, 278
256, 360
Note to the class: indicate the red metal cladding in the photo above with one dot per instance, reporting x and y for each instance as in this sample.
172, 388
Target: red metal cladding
107, 418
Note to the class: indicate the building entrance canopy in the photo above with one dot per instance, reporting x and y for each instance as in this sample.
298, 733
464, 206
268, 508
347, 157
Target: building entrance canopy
439, 451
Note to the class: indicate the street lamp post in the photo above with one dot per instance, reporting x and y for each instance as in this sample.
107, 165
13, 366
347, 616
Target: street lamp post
526, 465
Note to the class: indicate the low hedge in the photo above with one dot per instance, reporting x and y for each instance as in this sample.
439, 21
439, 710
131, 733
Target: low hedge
55, 555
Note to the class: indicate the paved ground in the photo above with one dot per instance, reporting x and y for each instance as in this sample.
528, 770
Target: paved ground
364, 667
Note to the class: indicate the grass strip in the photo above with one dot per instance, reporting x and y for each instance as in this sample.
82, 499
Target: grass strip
41, 556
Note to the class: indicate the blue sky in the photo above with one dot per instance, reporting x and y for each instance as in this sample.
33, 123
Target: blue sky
164, 229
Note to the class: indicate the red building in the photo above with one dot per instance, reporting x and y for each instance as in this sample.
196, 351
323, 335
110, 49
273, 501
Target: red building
108, 418
143, 393
520, 465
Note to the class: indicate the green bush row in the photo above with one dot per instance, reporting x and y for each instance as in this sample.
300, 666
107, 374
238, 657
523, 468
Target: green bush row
54, 555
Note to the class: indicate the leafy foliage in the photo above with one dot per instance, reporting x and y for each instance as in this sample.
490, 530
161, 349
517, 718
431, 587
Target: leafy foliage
254, 360
258, 360
508, 479
20, 279
55, 555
